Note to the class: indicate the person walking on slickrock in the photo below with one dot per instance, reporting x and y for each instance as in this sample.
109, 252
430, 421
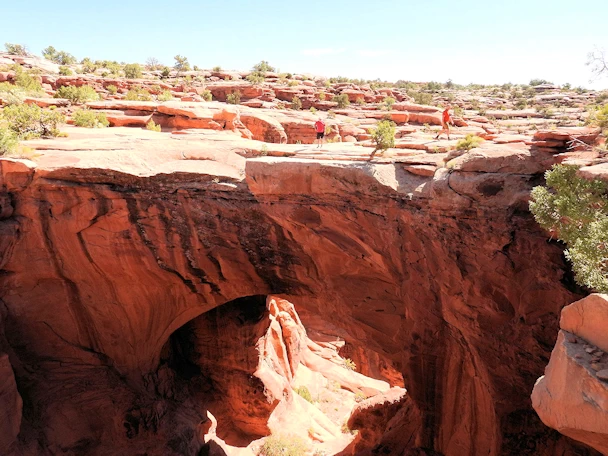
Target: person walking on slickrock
446, 120
320, 129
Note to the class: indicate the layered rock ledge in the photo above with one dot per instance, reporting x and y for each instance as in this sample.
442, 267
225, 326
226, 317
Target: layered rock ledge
111, 244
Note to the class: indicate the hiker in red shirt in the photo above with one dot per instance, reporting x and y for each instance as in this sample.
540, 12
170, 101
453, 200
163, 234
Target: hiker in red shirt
446, 120
320, 129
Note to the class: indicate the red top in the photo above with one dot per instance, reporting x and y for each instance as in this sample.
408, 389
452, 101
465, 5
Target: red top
446, 116
320, 126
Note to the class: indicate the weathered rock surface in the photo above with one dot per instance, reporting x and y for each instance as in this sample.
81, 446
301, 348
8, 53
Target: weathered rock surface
572, 396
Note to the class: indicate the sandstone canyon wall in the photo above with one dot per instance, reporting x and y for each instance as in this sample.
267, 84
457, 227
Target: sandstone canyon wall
446, 276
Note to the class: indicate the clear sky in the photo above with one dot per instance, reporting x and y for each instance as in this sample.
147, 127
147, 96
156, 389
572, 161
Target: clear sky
490, 41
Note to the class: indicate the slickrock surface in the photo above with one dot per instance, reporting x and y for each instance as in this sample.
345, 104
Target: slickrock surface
572, 396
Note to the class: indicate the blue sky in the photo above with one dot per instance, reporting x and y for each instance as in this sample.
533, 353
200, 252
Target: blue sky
423, 40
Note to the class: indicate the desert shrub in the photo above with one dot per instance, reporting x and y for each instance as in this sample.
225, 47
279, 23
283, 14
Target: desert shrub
293, 83
313, 110
88, 66
322, 96
599, 117
165, 95
256, 78
31, 121
26, 81
132, 71
263, 67
234, 98
304, 392
60, 57
112, 89
331, 114
359, 396
576, 211
207, 95
296, 104
521, 104
15, 49
65, 71
8, 140
90, 119
537, 82
469, 142
181, 63
342, 100
433, 86
11, 94
138, 94
112, 67
388, 103
152, 126
383, 136
165, 73
360, 101
77, 95
420, 97
281, 445
216, 69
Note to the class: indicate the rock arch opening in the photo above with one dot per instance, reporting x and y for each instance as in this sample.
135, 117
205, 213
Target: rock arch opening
251, 363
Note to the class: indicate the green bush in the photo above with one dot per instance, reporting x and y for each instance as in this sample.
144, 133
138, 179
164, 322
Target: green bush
11, 94
216, 69
26, 81
537, 82
349, 363
256, 78
77, 95
283, 446
90, 119
181, 63
576, 211
313, 110
469, 142
88, 66
383, 136
303, 390
153, 126
8, 140
112, 89
132, 71
296, 104
165, 73
322, 96
234, 98
420, 97
599, 117
342, 100
388, 103
165, 95
30, 121
360, 101
138, 94
263, 67
207, 95
60, 57
331, 114
65, 71
15, 49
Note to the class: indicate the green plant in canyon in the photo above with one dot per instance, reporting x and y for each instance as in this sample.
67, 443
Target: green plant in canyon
77, 95
575, 210
283, 446
31, 121
90, 119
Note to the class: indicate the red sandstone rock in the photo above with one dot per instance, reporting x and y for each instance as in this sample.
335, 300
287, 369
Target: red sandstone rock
571, 397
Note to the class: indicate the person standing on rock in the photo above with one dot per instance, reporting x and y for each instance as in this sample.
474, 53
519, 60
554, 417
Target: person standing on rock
320, 129
446, 120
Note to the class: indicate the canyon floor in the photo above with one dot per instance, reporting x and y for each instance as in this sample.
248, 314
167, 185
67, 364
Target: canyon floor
223, 283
